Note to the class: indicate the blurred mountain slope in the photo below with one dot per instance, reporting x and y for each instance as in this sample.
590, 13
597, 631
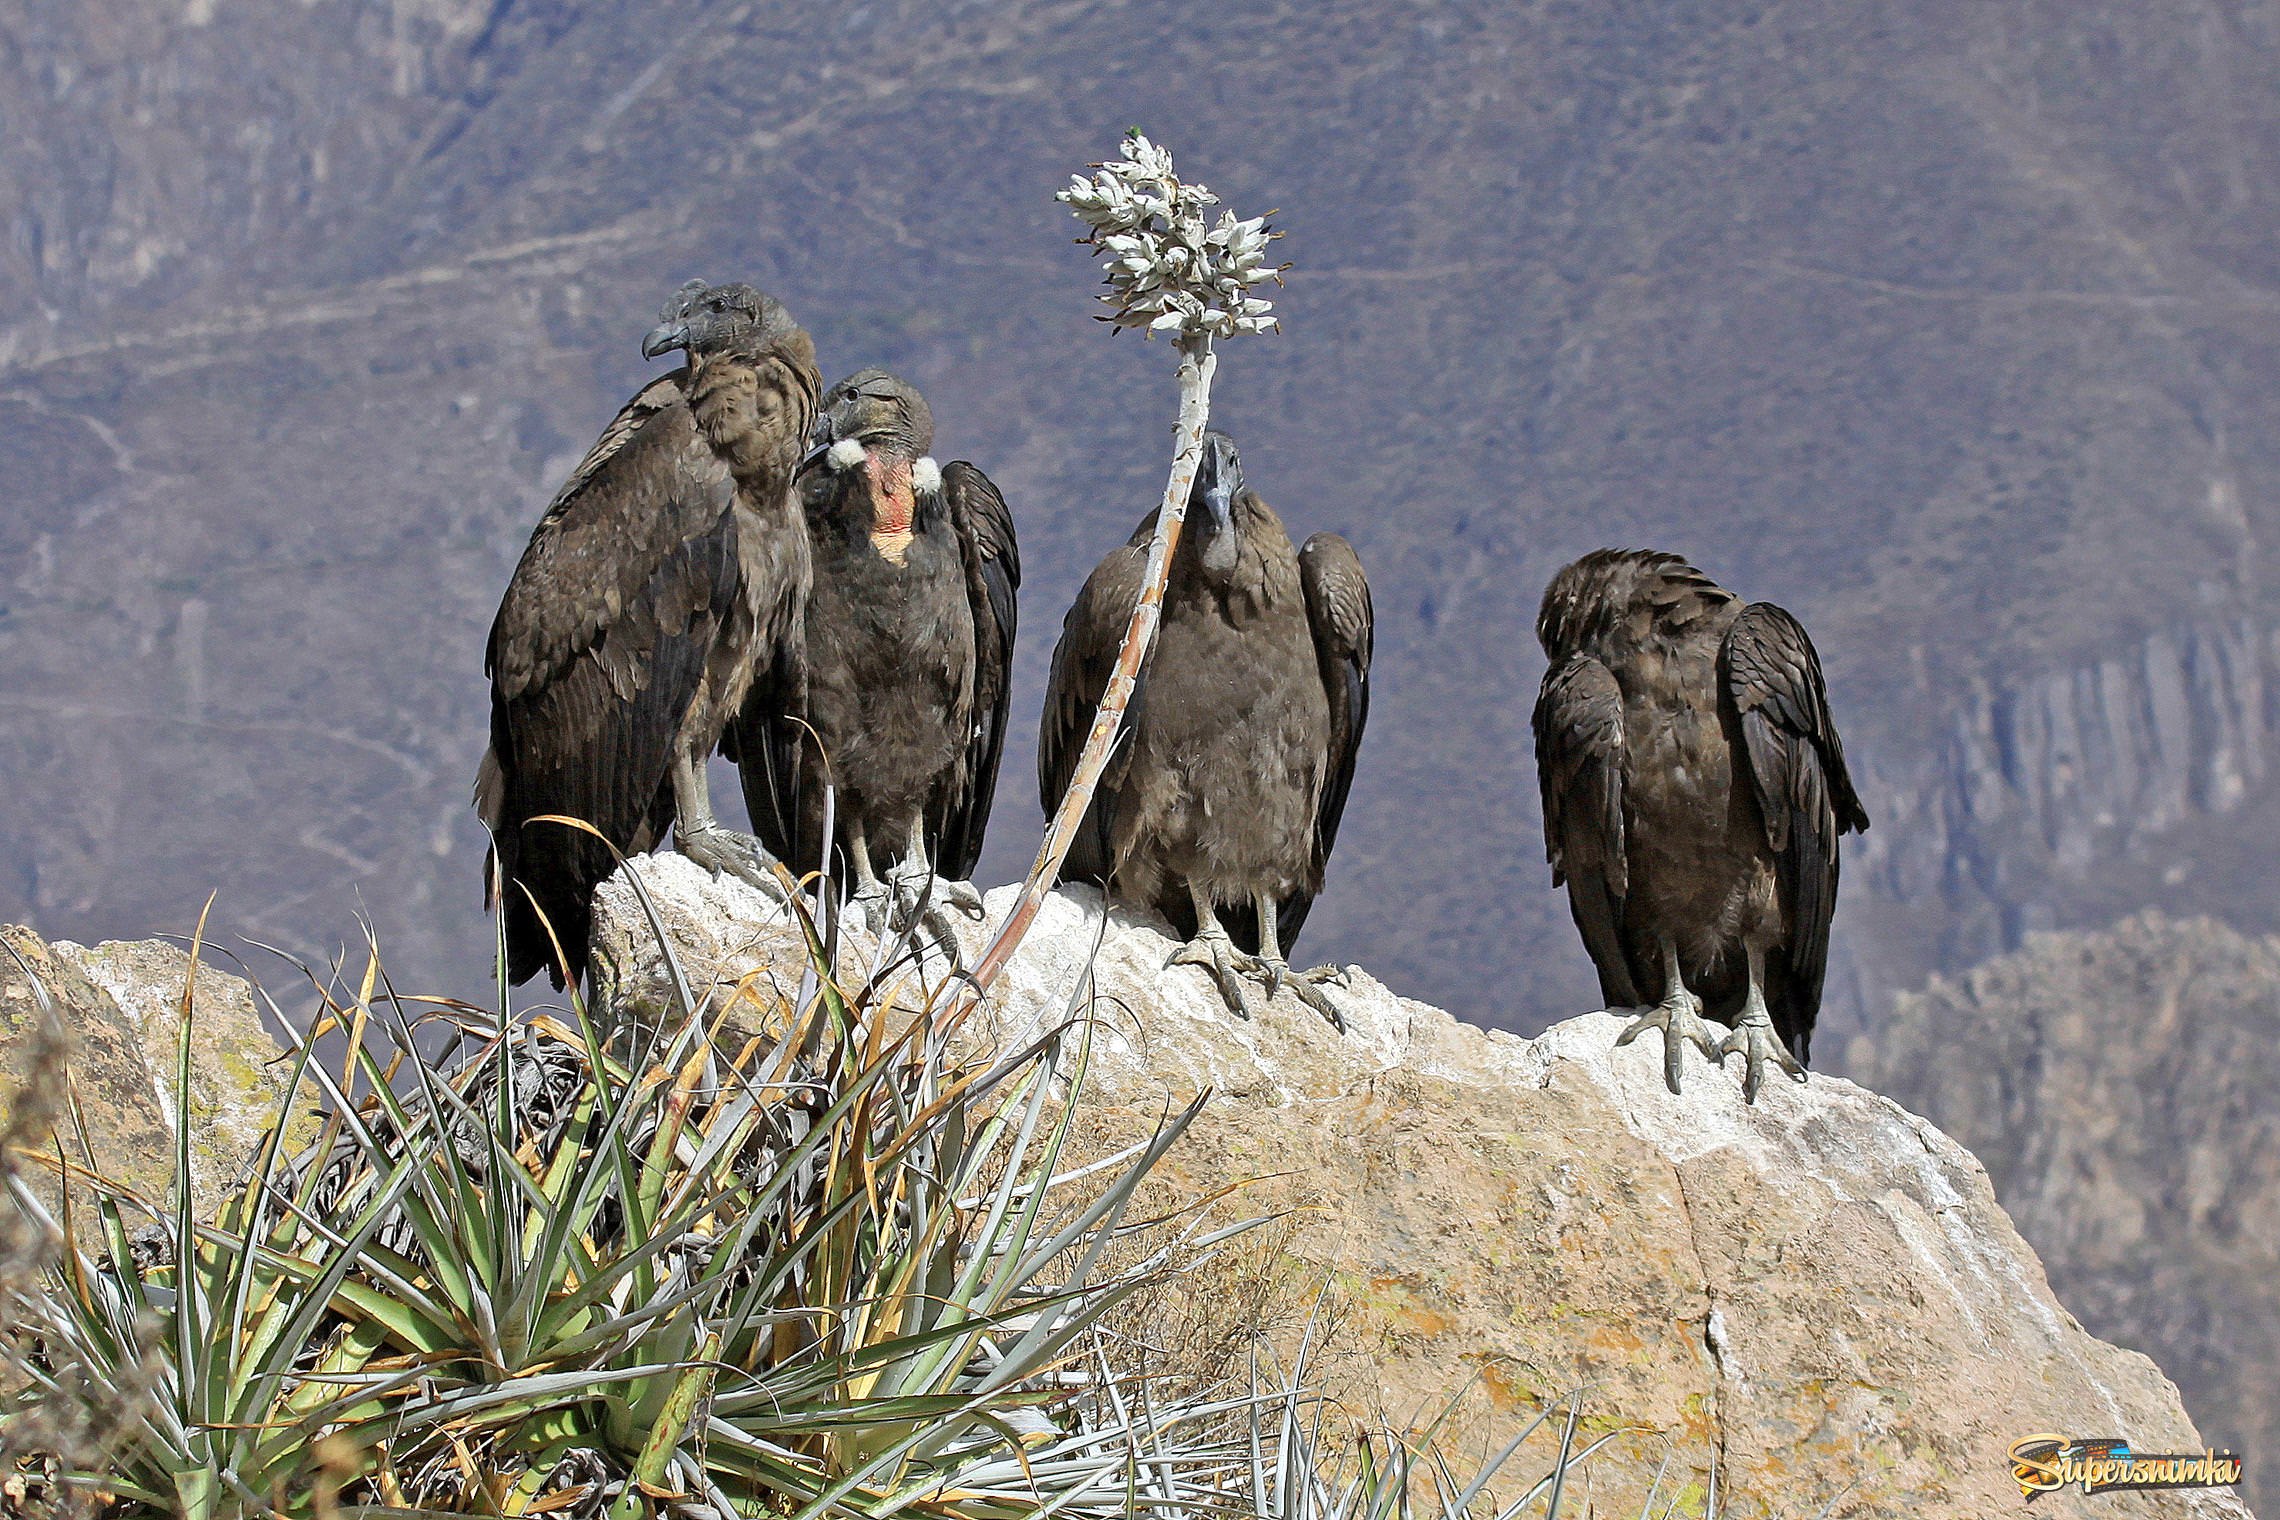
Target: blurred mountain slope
1950, 330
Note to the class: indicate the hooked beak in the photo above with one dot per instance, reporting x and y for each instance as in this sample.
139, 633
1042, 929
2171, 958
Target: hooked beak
820, 441
664, 338
1216, 495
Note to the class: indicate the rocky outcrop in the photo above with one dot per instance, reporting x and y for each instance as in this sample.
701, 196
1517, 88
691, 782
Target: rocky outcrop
2065, 799
2119, 1087
1819, 1294
121, 1003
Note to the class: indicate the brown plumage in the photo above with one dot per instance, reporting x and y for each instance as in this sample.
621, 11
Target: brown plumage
1225, 798
910, 659
665, 584
1694, 791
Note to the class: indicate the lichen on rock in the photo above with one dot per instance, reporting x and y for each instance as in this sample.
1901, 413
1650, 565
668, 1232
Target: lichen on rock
121, 1002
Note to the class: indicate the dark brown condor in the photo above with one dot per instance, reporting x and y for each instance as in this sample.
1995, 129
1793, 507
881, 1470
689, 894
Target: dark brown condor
1224, 798
910, 659
666, 583
1694, 791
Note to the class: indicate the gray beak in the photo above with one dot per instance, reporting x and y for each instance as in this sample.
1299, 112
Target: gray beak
820, 440
1215, 490
664, 338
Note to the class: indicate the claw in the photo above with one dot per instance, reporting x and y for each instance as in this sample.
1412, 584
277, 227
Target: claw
1216, 954
907, 887
1230, 967
1679, 1017
963, 896
1312, 995
1756, 1042
723, 851
1277, 974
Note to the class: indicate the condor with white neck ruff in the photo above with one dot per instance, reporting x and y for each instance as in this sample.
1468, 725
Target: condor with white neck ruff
910, 627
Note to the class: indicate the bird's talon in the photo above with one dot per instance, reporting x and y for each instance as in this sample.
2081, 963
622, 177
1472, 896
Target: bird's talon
1217, 955
1756, 1042
1679, 1017
725, 853
1193, 953
945, 933
1318, 1000
913, 899
962, 896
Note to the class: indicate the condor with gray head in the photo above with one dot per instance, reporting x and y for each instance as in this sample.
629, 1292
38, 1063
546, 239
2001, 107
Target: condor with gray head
664, 589
1694, 791
909, 653
1220, 809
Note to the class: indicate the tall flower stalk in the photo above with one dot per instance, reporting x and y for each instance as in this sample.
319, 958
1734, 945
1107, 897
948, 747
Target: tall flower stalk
1169, 271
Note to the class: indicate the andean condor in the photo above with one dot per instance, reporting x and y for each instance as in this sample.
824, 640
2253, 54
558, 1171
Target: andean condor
1694, 791
910, 632
664, 589
1225, 796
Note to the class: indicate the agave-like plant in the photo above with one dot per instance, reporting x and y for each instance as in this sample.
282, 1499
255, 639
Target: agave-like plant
831, 1272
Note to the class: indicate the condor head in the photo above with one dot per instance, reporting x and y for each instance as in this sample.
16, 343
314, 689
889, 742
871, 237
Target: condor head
702, 320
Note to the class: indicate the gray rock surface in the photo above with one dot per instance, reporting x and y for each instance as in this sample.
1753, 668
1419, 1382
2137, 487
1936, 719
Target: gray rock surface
121, 1003
1821, 1291
2120, 1087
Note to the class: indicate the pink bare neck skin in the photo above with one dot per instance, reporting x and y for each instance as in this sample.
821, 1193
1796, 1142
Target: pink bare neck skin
892, 504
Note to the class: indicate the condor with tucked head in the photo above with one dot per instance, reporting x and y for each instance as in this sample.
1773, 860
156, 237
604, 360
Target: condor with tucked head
910, 661
665, 588
1694, 791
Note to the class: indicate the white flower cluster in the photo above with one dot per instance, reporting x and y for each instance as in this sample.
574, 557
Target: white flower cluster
1168, 272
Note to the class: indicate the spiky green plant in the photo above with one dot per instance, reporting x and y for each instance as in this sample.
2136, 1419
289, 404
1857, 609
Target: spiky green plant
831, 1272
826, 1273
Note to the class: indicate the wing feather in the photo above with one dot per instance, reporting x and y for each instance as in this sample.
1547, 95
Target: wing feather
1340, 617
599, 645
1083, 660
1772, 675
1578, 725
992, 557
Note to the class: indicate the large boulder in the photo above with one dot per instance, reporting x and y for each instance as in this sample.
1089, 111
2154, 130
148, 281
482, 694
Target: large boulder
121, 1005
1818, 1294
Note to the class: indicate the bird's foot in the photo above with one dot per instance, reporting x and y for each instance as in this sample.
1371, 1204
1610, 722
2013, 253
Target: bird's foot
1230, 968
1679, 1017
1755, 1040
1216, 953
724, 851
1307, 984
915, 896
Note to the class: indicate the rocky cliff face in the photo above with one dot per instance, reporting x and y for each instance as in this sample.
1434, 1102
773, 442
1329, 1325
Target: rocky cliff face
121, 1004
2066, 799
2119, 1087
1819, 1294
